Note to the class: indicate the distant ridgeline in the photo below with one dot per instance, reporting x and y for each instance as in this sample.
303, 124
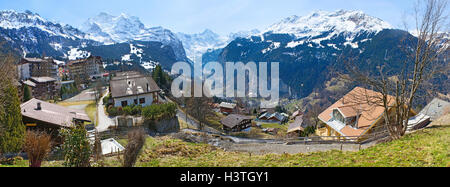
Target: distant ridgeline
32, 36
306, 64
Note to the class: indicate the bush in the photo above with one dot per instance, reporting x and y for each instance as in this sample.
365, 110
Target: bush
159, 112
37, 146
128, 110
136, 110
112, 111
76, 148
106, 100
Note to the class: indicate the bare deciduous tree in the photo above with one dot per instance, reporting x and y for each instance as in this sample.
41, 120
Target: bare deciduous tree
136, 140
198, 108
423, 59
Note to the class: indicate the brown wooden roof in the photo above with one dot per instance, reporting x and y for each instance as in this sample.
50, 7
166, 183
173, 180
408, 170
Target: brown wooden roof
233, 120
360, 100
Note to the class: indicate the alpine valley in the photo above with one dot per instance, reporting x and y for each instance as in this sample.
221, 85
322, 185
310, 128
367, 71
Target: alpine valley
309, 48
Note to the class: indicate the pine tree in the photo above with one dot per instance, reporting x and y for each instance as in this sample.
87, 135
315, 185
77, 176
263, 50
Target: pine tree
26, 93
13, 129
158, 76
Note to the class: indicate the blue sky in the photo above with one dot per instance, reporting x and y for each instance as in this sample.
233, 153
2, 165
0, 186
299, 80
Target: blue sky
193, 16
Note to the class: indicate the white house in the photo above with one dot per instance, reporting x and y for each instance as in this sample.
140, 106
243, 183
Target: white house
132, 88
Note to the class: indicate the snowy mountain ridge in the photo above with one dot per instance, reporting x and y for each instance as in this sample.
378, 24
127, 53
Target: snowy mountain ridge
197, 44
349, 23
110, 29
10, 19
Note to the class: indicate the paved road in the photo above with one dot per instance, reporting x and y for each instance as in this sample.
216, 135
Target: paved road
182, 116
86, 95
104, 121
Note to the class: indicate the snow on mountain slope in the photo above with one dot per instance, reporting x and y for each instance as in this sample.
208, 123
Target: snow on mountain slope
348, 23
10, 19
197, 44
110, 29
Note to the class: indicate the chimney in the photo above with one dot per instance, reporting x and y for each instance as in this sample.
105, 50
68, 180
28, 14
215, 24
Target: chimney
39, 106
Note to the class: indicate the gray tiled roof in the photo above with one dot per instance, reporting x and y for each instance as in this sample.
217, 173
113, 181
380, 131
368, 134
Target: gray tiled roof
29, 83
52, 113
435, 108
133, 85
296, 125
43, 79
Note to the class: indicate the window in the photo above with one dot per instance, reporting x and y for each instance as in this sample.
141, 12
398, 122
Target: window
141, 100
124, 103
135, 101
338, 116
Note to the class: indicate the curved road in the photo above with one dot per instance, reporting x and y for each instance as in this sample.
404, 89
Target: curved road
104, 121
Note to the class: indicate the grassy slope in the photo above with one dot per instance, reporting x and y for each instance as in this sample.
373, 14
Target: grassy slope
429, 147
424, 148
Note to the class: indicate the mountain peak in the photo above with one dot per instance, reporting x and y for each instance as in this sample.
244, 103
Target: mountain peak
318, 22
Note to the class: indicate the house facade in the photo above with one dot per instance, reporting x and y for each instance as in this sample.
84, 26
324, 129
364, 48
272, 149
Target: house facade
37, 67
132, 88
227, 108
236, 123
83, 70
43, 88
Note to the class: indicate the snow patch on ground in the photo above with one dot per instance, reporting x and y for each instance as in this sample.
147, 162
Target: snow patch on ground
75, 54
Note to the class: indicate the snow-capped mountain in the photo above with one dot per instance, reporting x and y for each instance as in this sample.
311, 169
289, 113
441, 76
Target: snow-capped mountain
349, 23
323, 25
197, 44
10, 19
32, 34
110, 29
308, 47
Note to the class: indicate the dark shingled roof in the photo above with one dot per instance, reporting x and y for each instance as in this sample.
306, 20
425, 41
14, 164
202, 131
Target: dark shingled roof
52, 113
233, 120
132, 85
37, 60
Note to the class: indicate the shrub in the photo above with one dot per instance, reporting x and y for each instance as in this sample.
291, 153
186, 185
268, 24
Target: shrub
120, 111
136, 110
106, 100
37, 146
112, 111
76, 147
127, 110
159, 112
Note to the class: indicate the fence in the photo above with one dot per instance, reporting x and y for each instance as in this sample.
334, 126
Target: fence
305, 140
